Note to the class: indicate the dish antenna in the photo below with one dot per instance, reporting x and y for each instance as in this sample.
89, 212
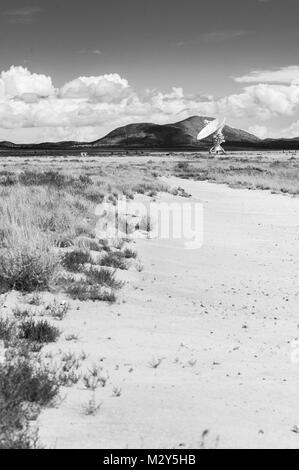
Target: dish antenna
213, 128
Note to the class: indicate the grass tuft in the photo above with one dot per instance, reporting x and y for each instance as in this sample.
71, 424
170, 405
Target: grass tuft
40, 331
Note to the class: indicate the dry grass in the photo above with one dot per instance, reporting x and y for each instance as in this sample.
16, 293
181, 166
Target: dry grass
278, 176
42, 214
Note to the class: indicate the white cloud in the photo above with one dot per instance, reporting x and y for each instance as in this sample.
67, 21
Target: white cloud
88, 107
94, 51
282, 75
262, 101
259, 131
18, 82
291, 131
25, 15
106, 88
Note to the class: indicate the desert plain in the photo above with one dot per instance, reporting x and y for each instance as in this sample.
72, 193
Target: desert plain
200, 347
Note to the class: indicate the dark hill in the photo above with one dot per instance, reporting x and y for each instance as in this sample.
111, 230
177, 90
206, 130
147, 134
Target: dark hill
181, 134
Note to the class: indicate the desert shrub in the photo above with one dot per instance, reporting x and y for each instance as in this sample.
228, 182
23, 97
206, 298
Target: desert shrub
114, 260
93, 245
8, 179
83, 290
21, 313
150, 188
103, 277
73, 260
182, 166
84, 228
104, 244
22, 381
40, 331
15, 432
99, 284
84, 243
129, 253
7, 329
57, 310
57, 222
27, 266
94, 195
51, 178
85, 180
23, 384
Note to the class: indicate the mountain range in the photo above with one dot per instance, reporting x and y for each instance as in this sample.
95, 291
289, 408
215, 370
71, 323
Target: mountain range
177, 136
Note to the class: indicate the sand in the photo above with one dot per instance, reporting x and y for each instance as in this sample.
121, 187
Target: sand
222, 320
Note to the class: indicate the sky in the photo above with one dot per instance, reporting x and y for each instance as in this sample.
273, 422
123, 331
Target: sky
73, 70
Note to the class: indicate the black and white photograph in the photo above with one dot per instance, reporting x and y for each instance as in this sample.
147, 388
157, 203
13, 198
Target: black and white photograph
149, 227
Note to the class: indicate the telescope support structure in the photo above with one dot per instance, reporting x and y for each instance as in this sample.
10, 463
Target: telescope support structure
218, 139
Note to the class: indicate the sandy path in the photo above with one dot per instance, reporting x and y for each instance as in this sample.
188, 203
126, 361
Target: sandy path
231, 306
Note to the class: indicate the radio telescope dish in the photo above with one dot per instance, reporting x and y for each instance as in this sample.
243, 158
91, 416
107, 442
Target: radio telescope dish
209, 129
214, 128
220, 128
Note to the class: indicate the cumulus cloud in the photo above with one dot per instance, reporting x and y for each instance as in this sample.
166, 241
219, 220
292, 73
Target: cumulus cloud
88, 107
263, 101
282, 75
105, 88
19, 83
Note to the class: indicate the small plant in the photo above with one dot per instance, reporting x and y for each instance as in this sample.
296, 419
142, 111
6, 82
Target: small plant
57, 310
71, 337
92, 407
40, 331
20, 313
119, 243
68, 374
94, 378
154, 363
91, 380
139, 266
192, 362
116, 392
67, 379
34, 299
70, 361
83, 356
